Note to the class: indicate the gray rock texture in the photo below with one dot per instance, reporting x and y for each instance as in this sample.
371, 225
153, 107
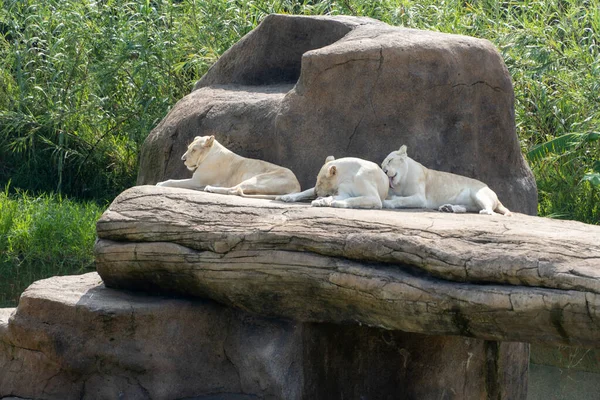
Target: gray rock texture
297, 89
73, 338
517, 278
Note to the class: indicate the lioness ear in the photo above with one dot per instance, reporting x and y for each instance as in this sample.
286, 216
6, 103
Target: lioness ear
331, 171
402, 150
209, 142
329, 158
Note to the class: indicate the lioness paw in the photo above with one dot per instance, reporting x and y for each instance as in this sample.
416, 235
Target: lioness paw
486, 212
325, 202
340, 204
446, 208
285, 198
209, 189
388, 204
449, 208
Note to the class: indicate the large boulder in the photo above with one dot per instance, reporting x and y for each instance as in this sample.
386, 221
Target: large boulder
297, 89
73, 338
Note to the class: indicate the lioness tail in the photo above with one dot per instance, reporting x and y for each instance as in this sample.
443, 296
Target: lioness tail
503, 210
241, 193
260, 196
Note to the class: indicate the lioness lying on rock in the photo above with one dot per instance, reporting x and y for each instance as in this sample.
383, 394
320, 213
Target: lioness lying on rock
346, 183
414, 185
219, 170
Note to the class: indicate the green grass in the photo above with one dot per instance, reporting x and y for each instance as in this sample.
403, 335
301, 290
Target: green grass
43, 236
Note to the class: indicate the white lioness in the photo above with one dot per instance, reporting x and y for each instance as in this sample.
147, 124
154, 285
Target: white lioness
413, 185
346, 183
219, 170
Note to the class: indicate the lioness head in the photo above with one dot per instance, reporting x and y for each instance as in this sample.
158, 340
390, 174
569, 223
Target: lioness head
197, 151
395, 166
327, 179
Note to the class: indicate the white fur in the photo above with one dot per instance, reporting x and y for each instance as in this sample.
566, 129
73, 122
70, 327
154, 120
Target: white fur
346, 183
414, 185
219, 170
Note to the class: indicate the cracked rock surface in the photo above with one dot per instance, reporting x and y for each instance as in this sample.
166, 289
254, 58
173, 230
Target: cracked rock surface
517, 278
297, 89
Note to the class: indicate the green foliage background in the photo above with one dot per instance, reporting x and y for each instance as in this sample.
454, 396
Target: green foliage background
42, 236
82, 83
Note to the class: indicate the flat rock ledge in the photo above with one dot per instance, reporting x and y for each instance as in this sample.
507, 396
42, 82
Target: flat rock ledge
520, 278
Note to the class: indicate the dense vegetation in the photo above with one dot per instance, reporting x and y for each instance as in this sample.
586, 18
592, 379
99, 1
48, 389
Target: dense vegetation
43, 236
82, 83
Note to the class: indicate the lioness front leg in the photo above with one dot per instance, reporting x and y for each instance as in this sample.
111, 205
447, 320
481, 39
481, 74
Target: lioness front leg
308, 194
181, 183
358, 202
416, 201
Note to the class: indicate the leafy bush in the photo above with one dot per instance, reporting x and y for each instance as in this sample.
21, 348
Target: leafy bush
43, 236
83, 82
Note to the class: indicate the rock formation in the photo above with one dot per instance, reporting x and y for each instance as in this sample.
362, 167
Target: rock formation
72, 338
243, 298
298, 89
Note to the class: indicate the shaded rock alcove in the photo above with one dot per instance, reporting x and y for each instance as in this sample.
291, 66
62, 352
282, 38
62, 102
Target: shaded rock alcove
202, 296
